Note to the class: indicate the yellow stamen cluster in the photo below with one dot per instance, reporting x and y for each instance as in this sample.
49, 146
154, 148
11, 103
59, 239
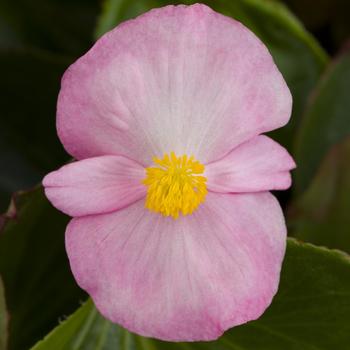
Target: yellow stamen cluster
175, 185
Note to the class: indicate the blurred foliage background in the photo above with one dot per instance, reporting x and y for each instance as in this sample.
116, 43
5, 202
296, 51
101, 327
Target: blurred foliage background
309, 42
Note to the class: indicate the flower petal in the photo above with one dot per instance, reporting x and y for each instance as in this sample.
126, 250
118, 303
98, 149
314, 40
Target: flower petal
186, 279
95, 185
260, 164
178, 78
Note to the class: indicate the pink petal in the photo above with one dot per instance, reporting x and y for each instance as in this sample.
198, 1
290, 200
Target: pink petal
95, 185
178, 78
260, 164
186, 279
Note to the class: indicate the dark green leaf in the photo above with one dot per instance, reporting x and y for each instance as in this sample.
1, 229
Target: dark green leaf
63, 26
329, 19
311, 311
39, 287
321, 214
3, 318
29, 146
326, 121
296, 53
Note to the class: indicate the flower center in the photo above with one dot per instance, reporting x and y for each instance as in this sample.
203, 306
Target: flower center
175, 185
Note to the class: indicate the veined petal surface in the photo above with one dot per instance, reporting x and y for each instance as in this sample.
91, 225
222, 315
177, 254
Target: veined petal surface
187, 279
259, 164
179, 78
95, 185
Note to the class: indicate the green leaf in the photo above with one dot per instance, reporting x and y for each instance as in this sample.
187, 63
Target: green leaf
29, 146
3, 318
310, 311
326, 121
39, 286
321, 214
87, 329
297, 54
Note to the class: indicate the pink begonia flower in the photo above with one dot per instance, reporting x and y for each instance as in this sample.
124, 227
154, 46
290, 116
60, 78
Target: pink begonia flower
174, 233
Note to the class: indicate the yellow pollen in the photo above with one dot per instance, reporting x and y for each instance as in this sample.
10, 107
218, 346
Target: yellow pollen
175, 185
